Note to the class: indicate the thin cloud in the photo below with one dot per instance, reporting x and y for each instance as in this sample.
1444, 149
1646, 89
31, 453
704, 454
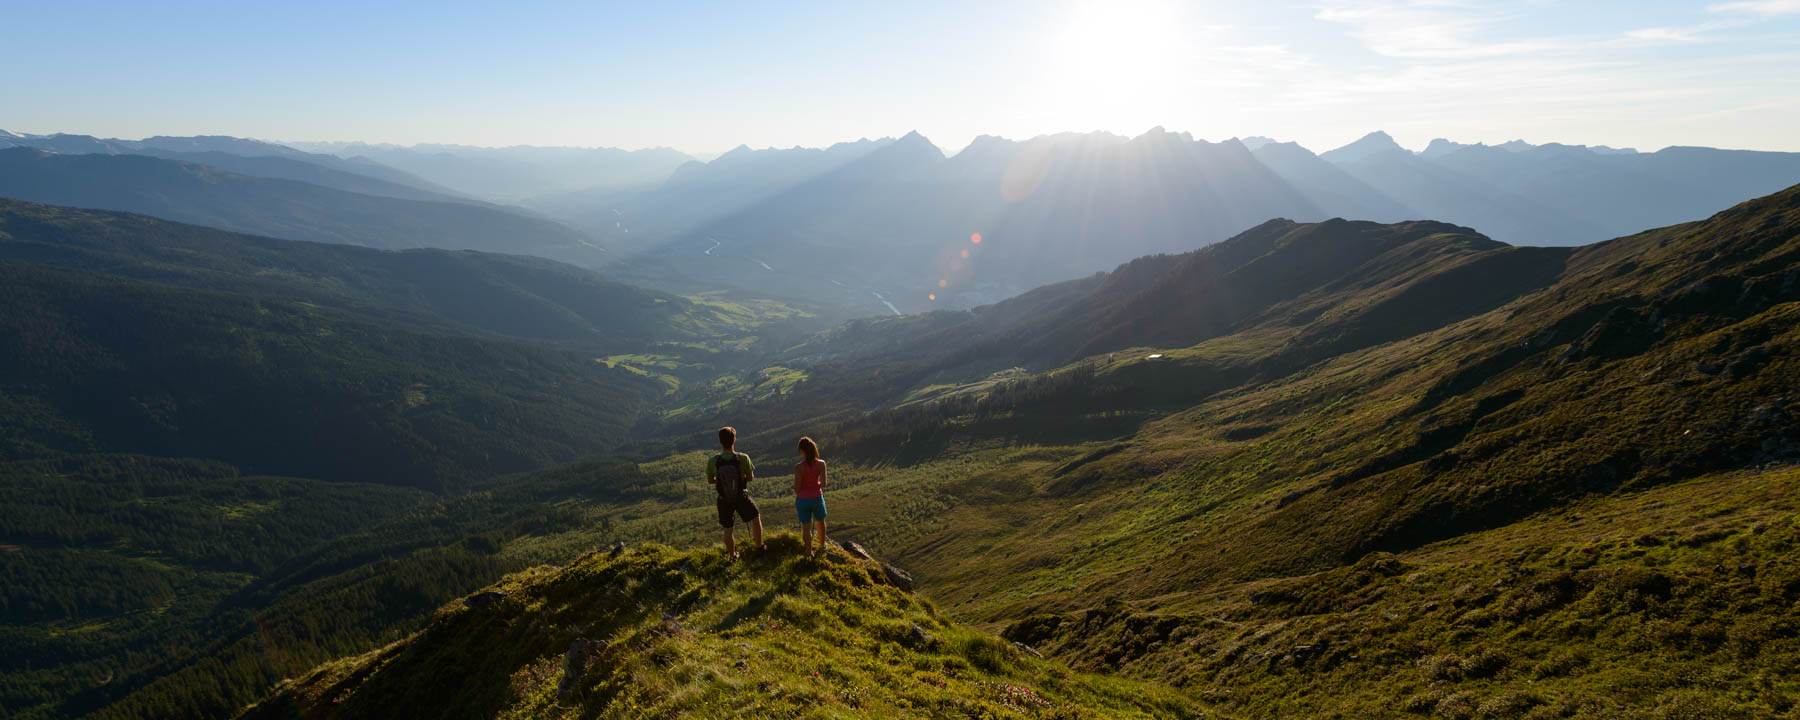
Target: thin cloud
1423, 29
1767, 8
1664, 34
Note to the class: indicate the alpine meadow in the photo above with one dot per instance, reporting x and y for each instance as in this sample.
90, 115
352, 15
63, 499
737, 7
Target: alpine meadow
1197, 359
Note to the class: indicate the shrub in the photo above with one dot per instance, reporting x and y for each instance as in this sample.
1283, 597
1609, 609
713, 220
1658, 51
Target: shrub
1509, 704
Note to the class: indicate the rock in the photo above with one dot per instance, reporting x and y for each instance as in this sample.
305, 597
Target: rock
1308, 652
897, 577
856, 551
618, 548
582, 652
741, 665
483, 599
917, 637
1027, 649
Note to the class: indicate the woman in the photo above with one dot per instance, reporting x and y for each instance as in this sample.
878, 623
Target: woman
809, 494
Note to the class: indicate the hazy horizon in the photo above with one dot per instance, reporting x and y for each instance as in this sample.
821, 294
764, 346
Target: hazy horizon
704, 79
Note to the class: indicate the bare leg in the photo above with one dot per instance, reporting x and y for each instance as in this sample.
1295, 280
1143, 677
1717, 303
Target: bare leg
806, 538
822, 544
756, 531
730, 543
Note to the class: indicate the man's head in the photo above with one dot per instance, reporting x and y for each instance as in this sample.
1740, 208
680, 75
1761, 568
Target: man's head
727, 437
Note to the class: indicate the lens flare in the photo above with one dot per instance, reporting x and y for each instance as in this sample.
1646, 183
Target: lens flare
932, 296
965, 254
942, 283
976, 238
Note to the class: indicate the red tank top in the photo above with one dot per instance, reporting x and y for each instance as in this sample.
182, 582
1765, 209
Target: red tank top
812, 480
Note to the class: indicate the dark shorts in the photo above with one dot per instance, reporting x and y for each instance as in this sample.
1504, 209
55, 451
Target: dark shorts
743, 506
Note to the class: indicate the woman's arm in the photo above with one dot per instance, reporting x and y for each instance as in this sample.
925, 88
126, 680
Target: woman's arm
821, 474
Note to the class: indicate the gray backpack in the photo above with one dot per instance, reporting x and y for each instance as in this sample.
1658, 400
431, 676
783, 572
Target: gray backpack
731, 477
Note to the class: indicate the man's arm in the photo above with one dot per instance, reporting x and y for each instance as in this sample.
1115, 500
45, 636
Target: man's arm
712, 470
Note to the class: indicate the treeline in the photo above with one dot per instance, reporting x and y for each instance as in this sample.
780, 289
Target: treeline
193, 513
226, 642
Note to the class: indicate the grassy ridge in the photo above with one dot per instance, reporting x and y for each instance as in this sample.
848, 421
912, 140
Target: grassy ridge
688, 634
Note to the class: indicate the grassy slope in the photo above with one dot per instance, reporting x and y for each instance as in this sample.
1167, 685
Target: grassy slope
1673, 602
688, 634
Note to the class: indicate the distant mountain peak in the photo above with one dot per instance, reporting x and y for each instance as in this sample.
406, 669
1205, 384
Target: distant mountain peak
1255, 141
1440, 147
1378, 139
914, 142
1370, 145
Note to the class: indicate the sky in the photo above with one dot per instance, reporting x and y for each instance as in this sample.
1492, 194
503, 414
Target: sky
706, 77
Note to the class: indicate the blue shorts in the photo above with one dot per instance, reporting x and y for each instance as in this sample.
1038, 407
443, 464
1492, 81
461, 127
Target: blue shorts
810, 509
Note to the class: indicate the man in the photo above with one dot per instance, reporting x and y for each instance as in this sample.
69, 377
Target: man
730, 472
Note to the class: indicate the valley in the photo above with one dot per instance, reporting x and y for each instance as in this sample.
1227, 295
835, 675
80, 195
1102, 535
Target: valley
1308, 468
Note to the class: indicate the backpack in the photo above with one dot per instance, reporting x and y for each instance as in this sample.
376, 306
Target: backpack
731, 477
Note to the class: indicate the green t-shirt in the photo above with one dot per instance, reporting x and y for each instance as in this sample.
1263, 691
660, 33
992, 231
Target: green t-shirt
746, 469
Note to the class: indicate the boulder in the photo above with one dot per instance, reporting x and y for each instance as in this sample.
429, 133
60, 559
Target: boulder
618, 548
918, 638
582, 653
1027, 649
856, 551
897, 577
483, 599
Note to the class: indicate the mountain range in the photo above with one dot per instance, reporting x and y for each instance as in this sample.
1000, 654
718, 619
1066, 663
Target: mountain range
252, 157
291, 209
898, 218
890, 224
1267, 462
512, 174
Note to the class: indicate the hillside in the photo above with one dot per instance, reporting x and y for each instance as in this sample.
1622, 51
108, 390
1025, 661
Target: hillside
487, 294
97, 363
654, 633
201, 195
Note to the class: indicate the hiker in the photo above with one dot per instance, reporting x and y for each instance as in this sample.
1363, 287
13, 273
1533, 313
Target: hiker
731, 472
809, 494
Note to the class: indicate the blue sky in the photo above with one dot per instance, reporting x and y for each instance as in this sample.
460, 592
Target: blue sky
705, 77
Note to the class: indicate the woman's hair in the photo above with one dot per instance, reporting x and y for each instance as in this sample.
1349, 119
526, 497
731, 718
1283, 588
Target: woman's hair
809, 449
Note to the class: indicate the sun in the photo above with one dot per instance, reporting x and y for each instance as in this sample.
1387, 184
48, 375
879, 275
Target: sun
1121, 53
